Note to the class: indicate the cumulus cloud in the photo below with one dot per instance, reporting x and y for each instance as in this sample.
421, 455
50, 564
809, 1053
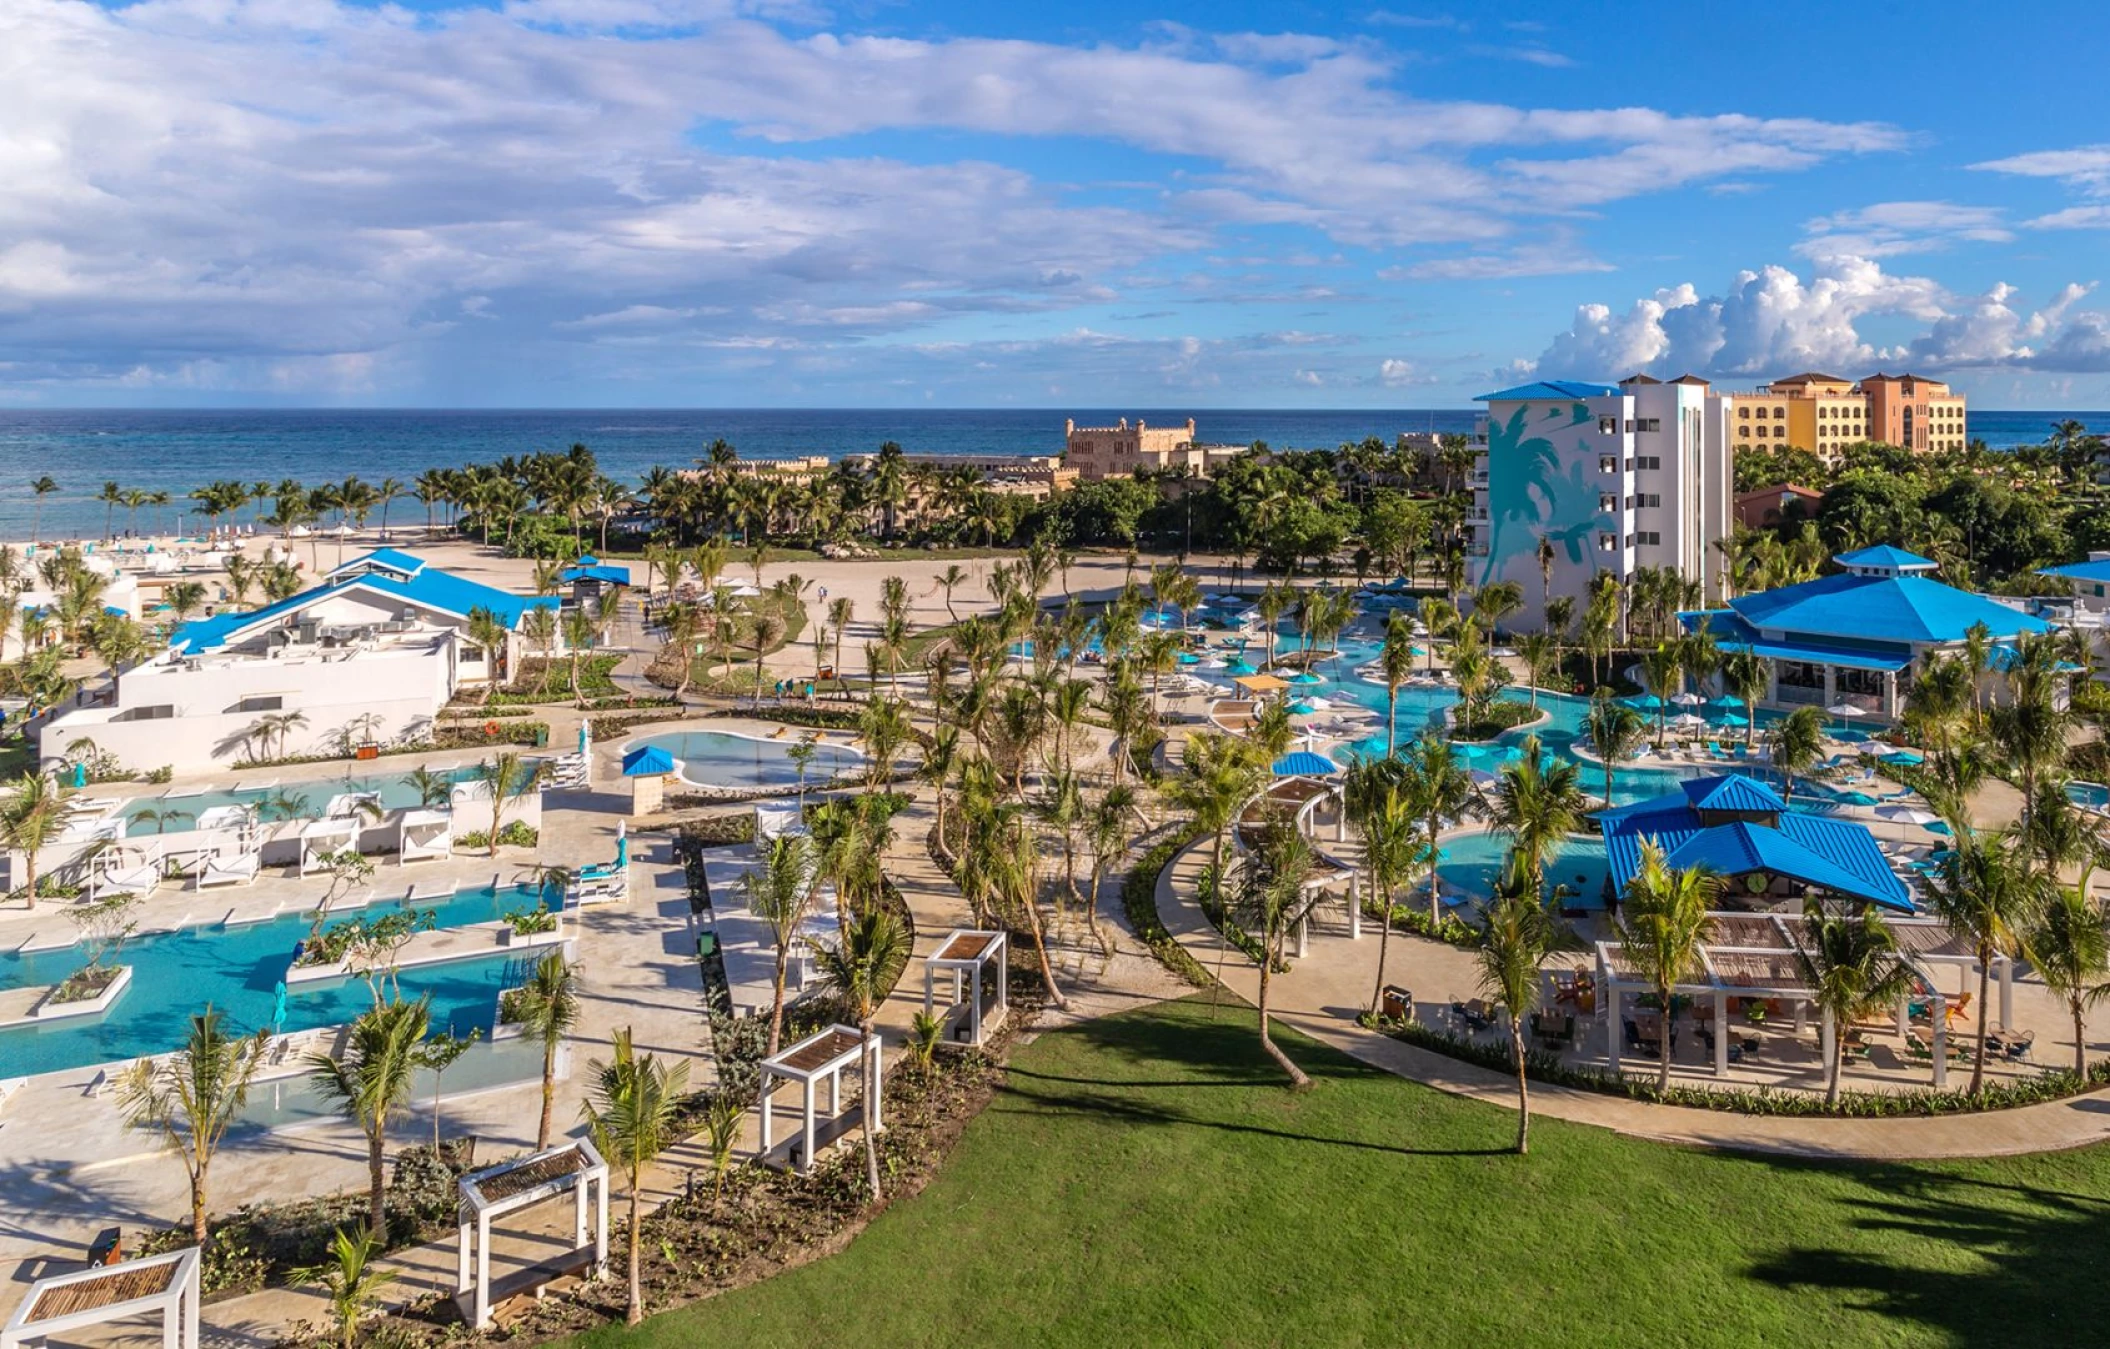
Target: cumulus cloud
1772, 322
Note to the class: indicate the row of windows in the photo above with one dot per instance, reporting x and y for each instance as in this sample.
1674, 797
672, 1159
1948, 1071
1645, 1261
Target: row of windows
1746, 413
1609, 543
1645, 463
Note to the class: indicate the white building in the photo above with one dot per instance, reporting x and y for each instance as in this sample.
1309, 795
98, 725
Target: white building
1616, 477
370, 655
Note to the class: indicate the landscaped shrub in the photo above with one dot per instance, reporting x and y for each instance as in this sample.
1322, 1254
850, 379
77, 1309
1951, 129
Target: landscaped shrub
1139, 901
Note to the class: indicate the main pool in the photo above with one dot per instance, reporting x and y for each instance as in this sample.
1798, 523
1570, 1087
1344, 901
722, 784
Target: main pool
238, 970
723, 759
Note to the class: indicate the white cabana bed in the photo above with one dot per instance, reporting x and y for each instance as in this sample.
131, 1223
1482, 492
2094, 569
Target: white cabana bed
320, 838
424, 835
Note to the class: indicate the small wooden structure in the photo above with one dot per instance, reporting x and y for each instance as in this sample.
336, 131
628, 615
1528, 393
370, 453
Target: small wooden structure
823, 1054
965, 953
647, 769
574, 1169
164, 1284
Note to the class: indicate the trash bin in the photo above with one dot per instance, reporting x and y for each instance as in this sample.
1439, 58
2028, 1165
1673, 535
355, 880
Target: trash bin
1397, 1004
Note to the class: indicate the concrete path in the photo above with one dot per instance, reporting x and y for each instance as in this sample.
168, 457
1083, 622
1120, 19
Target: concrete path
1320, 997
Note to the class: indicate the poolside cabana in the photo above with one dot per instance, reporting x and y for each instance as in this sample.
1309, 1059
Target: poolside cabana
424, 835
1300, 800
483, 1196
126, 869
965, 954
319, 839
163, 1285
821, 1055
1261, 685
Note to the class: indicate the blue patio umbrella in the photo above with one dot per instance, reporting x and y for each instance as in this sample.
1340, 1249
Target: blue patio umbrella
1239, 665
1857, 798
1647, 702
278, 1010
1723, 700
1372, 747
1189, 658
1307, 677
1304, 763
1416, 651
1905, 757
622, 846
80, 774
1734, 719
1302, 709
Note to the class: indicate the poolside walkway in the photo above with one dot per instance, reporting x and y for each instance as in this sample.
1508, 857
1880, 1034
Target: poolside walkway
1323, 992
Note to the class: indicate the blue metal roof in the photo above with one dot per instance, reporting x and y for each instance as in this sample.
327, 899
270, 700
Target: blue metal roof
1302, 763
1550, 390
1883, 555
1880, 609
1731, 632
647, 761
2097, 570
426, 587
587, 570
1840, 856
1732, 791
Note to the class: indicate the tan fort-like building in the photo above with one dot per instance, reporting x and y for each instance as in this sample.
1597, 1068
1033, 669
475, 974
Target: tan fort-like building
1121, 451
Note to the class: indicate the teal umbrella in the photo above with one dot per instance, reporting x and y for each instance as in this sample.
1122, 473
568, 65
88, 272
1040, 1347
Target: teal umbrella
1240, 666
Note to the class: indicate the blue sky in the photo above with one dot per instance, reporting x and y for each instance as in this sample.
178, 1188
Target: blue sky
784, 202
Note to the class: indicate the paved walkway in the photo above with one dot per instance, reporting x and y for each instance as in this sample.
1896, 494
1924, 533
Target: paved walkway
1321, 995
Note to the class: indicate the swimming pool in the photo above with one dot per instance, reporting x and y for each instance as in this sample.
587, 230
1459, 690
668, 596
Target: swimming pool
724, 759
274, 800
238, 969
1472, 861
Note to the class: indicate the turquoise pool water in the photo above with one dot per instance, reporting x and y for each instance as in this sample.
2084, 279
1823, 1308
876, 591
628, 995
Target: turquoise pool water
281, 801
238, 969
1474, 859
722, 759
2094, 795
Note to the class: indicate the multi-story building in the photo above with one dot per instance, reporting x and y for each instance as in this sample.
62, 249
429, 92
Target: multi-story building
1124, 450
1825, 414
1616, 477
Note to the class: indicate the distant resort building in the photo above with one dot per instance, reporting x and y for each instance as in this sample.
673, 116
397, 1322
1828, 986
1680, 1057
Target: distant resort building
1824, 414
1856, 637
1126, 449
1766, 855
2091, 584
1617, 478
1771, 506
370, 654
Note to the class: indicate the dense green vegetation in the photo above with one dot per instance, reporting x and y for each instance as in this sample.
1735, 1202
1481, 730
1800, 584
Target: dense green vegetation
1145, 1179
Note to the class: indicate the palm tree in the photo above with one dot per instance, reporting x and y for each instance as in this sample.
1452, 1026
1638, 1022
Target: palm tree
351, 1277
192, 1097
43, 486
2071, 954
862, 969
1661, 928
1851, 966
112, 496
1222, 774
1517, 933
1391, 834
1988, 894
1539, 651
1439, 789
2030, 726
547, 1007
371, 1085
1663, 670
949, 580
1537, 804
631, 1108
1797, 746
1273, 899
1745, 676
28, 822
1106, 833
511, 780
1396, 662
779, 892
1614, 731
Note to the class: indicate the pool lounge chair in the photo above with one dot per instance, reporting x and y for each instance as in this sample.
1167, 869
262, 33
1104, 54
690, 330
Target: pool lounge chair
140, 879
240, 869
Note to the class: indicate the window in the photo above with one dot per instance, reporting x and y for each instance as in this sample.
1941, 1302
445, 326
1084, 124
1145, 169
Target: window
1608, 426
1607, 543
1607, 502
1651, 499
1643, 539
1779, 412
1651, 424
1607, 463
1744, 412
1650, 461
260, 702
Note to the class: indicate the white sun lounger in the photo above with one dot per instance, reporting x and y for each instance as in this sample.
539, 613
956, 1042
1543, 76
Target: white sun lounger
240, 869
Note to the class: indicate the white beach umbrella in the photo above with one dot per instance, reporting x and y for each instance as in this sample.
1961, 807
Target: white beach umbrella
1908, 814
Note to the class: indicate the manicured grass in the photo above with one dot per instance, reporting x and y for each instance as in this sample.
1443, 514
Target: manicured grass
1145, 1180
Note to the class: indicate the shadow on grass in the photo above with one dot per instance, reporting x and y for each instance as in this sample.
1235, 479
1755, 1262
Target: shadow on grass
2034, 1279
1188, 1047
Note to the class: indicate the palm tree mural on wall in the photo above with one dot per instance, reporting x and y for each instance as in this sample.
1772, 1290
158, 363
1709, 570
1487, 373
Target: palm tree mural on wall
1526, 499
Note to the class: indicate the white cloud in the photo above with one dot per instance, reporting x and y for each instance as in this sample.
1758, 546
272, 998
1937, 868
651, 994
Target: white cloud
1772, 322
2073, 218
224, 184
1394, 373
2086, 167
1893, 227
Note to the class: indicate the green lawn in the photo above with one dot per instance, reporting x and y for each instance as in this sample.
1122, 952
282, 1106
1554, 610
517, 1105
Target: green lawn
1143, 1180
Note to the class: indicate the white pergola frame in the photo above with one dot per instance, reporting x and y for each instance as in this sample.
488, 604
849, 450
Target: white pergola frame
966, 968
1337, 871
587, 1183
341, 831
1721, 988
177, 1303
830, 1065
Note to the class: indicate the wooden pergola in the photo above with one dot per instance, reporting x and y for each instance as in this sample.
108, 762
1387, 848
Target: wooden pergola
965, 953
823, 1054
166, 1285
575, 1169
